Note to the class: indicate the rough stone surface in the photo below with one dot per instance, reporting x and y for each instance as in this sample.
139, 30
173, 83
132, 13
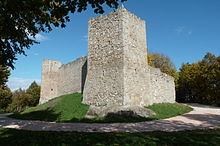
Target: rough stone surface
72, 76
105, 81
58, 79
162, 87
119, 111
115, 73
49, 80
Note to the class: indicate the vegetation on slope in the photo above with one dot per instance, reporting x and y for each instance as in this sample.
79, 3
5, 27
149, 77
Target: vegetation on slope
167, 110
22, 137
69, 108
60, 109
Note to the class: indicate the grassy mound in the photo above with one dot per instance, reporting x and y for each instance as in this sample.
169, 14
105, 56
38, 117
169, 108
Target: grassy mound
167, 110
182, 138
60, 109
69, 108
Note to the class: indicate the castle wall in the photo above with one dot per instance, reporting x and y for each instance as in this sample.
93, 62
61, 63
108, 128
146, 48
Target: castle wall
49, 80
58, 79
116, 70
162, 87
136, 77
72, 76
104, 83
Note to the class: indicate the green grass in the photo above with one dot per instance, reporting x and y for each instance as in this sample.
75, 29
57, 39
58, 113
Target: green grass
68, 108
2, 111
167, 110
60, 109
183, 138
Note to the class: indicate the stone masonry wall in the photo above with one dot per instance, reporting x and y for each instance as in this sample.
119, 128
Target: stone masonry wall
58, 79
49, 80
72, 76
162, 87
104, 83
136, 77
116, 72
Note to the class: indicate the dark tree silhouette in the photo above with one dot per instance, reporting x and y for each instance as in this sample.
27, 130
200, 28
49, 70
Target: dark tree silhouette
21, 20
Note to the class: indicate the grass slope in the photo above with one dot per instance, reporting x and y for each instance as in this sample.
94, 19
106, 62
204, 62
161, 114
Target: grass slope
68, 108
167, 110
41, 138
60, 109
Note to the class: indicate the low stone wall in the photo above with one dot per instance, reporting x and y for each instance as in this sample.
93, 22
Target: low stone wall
162, 87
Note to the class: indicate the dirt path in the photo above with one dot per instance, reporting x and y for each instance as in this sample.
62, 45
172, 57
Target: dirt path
201, 117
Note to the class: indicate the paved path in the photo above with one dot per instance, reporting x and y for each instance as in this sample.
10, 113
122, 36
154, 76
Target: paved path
201, 117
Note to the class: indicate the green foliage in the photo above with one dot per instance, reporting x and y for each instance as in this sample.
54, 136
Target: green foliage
164, 63
20, 101
20, 21
4, 74
5, 98
23, 99
200, 82
182, 138
167, 110
34, 91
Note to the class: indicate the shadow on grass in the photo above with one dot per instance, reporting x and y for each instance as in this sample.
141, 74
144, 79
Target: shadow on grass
121, 116
51, 116
44, 115
22, 137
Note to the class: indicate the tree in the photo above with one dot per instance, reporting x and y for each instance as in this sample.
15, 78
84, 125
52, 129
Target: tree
34, 91
5, 98
21, 20
4, 74
164, 63
20, 101
200, 81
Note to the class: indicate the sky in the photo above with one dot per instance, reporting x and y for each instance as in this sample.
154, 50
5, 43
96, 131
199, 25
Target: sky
184, 30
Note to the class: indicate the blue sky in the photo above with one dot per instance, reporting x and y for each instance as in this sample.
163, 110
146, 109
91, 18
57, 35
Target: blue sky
183, 30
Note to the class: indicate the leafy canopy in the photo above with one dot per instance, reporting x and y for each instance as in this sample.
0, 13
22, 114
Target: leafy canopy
200, 81
4, 74
21, 20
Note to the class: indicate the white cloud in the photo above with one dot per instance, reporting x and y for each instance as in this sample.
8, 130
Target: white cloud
16, 83
40, 37
183, 30
189, 32
180, 29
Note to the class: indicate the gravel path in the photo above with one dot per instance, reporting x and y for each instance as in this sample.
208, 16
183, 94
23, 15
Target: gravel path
201, 117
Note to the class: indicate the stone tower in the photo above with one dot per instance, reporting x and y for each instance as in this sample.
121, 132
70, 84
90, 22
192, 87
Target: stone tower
49, 81
115, 76
117, 61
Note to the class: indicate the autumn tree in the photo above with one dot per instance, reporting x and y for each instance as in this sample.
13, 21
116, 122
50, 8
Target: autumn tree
200, 81
21, 20
20, 101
